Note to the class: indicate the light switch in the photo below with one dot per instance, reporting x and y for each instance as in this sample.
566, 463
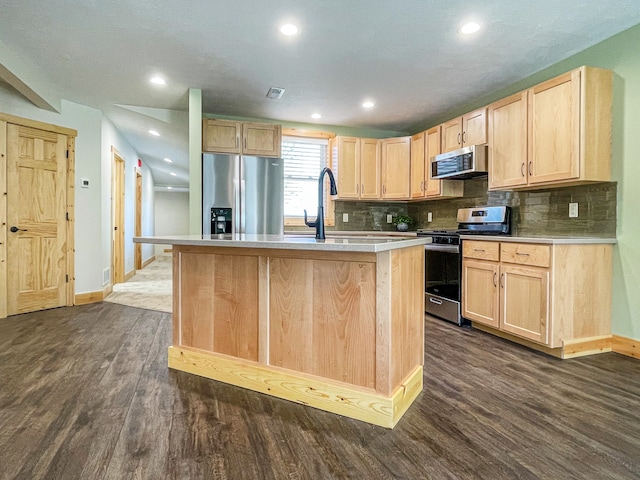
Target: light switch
345, 217
84, 183
389, 218
429, 217
573, 210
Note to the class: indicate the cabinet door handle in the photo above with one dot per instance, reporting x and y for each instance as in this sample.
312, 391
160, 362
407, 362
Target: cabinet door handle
464, 137
245, 143
502, 280
237, 141
459, 142
435, 300
522, 169
495, 279
530, 169
384, 189
362, 188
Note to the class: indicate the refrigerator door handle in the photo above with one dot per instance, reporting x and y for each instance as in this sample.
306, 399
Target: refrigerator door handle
241, 207
236, 214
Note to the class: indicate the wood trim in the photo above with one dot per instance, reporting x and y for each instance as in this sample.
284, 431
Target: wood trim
106, 291
263, 310
70, 206
129, 275
298, 132
5, 117
89, 297
149, 260
626, 346
3, 212
571, 348
331, 396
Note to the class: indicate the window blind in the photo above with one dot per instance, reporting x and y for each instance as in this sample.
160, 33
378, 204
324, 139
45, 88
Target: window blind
304, 158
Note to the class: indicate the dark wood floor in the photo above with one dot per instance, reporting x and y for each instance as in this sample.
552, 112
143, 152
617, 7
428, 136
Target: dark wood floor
85, 394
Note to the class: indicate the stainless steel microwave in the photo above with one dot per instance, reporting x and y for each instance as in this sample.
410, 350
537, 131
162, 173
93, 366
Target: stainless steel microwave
467, 162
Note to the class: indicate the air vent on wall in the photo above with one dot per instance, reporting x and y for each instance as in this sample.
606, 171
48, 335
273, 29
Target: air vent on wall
275, 93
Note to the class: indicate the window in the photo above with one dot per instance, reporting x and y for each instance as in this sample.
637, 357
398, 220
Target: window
304, 159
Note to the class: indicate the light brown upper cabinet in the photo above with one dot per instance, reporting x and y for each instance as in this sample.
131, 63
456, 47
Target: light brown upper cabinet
469, 129
424, 146
418, 143
568, 133
396, 168
357, 167
225, 136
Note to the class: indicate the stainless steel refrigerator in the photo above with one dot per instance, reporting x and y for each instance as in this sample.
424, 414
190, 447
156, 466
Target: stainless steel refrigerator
242, 194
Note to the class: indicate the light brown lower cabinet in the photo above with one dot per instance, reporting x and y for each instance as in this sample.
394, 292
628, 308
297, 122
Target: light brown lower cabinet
555, 297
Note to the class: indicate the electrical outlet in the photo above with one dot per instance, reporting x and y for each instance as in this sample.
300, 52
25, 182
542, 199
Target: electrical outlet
573, 210
345, 217
429, 217
389, 218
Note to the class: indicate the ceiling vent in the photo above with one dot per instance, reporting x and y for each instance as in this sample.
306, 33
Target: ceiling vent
275, 93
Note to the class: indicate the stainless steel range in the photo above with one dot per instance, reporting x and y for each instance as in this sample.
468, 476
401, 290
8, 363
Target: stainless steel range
443, 258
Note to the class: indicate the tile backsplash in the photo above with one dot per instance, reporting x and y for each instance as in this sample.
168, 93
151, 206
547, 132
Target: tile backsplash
536, 212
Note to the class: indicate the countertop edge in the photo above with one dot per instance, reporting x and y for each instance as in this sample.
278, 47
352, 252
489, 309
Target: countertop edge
281, 243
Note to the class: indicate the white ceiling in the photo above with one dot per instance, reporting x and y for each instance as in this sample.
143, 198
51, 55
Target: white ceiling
406, 55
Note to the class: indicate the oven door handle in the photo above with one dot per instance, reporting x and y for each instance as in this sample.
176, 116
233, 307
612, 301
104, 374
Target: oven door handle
435, 300
437, 247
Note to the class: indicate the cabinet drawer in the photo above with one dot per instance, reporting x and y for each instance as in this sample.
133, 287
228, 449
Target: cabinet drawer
481, 250
525, 254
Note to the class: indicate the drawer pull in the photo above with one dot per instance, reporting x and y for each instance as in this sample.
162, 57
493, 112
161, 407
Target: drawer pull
478, 249
522, 254
435, 300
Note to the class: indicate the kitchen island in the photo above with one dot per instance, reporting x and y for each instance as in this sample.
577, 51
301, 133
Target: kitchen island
335, 324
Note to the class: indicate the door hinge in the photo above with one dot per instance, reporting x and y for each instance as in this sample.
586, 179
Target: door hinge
67, 153
67, 216
67, 278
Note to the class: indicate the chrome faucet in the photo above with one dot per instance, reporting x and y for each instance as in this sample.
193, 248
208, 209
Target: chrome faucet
319, 222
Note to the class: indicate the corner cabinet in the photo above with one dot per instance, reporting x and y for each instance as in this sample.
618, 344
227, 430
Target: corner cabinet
258, 139
396, 168
469, 129
552, 297
557, 133
356, 163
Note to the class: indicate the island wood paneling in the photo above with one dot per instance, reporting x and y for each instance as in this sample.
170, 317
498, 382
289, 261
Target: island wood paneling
322, 317
218, 310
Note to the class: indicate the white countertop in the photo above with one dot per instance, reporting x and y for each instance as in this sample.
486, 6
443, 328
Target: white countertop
552, 240
291, 242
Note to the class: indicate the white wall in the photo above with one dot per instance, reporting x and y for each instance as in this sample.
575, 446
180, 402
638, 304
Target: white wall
171, 215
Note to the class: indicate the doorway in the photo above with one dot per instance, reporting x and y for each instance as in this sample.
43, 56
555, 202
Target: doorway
117, 216
138, 229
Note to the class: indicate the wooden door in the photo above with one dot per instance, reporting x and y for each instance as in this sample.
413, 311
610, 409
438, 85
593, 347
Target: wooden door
138, 230
417, 165
369, 155
480, 298
261, 139
554, 129
452, 135
524, 302
348, 167
117, 208
474, 127
508, 142
396, 160
36, 220
221, 136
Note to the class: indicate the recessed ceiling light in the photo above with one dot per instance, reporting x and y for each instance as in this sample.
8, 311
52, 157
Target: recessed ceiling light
156, 80
289, 29
316, 116
168, 160
368, 104
154, 133
173, 174
469, 28
169, 188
